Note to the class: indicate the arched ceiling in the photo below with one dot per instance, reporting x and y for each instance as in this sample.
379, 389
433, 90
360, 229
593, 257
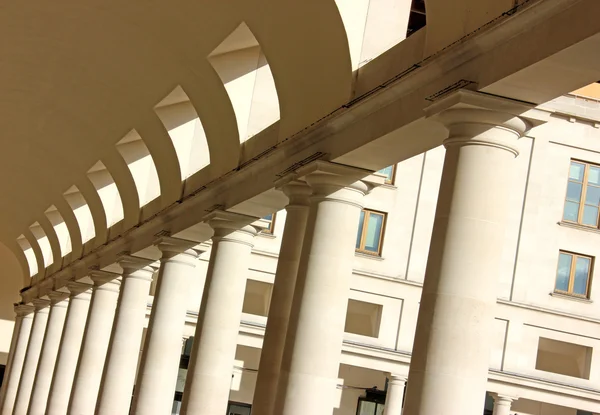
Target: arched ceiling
75, 78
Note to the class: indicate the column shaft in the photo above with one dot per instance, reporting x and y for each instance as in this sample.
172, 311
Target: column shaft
159, 367
124, 348
70, 345
267, 381
310, 364
451, 350
95, 344
45, 369
209, 375
23, 323
395, 395
32, 356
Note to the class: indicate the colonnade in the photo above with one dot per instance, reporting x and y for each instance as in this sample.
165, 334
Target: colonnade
83, 351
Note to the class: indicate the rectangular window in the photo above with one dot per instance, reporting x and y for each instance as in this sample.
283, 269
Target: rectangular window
573, 274
583, 194
270, 219
370, 232
564, 358
390, 173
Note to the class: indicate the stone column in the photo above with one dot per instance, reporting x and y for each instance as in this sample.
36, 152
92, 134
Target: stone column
395, 395
70, 345
118, 377
159, 367
211, 366
310, 364
451, 350
32, 356
95, 342
502, 404
267, 381
18, 348
45, 369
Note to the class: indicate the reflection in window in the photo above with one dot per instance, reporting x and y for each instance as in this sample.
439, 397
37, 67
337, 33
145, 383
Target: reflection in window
390, 174
270, 219
573, 274
583, 194
370, 232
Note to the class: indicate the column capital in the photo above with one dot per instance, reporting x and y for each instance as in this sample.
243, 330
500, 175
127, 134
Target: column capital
298, 193
501, 398
58, 296
474, 118
40, 304
100, 277
136, 267
182, 248
76, 289
395, 379
339, 182
234, 227
22, 310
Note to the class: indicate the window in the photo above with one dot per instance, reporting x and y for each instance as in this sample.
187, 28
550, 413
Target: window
563, 358
235, 408
270, 219
390, 174
371, 404
363, 318
573, 274
583, 194
370, 232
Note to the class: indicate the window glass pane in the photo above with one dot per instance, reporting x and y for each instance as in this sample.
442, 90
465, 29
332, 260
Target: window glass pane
590, 215
380, 409
373, 237
582, 271
389, 172
360, 228
592, 195
268, 217
564, 270
571, 211
366, 408
576, 171
574, 191
594, 175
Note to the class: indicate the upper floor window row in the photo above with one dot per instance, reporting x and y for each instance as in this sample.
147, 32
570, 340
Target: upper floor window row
583, 194
574, 274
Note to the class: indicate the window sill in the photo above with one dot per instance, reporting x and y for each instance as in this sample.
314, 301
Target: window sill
389, 186
267, 235
578, 226
571, 297
363, 255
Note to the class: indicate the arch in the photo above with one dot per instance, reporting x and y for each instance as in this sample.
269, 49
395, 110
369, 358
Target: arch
44, 244
82, 212
66, 212
96, 207
180, 119
141, 166
165, 158
54, 219
108, 192
19, 254
248, 81
127, 189
54, 243
32, 252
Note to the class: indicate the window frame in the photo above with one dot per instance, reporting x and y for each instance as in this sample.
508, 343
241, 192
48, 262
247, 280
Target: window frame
392, 180
271, 228
361, 248
584, 188
569, 291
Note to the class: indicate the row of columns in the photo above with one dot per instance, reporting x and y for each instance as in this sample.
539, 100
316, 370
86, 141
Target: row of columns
299, 366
